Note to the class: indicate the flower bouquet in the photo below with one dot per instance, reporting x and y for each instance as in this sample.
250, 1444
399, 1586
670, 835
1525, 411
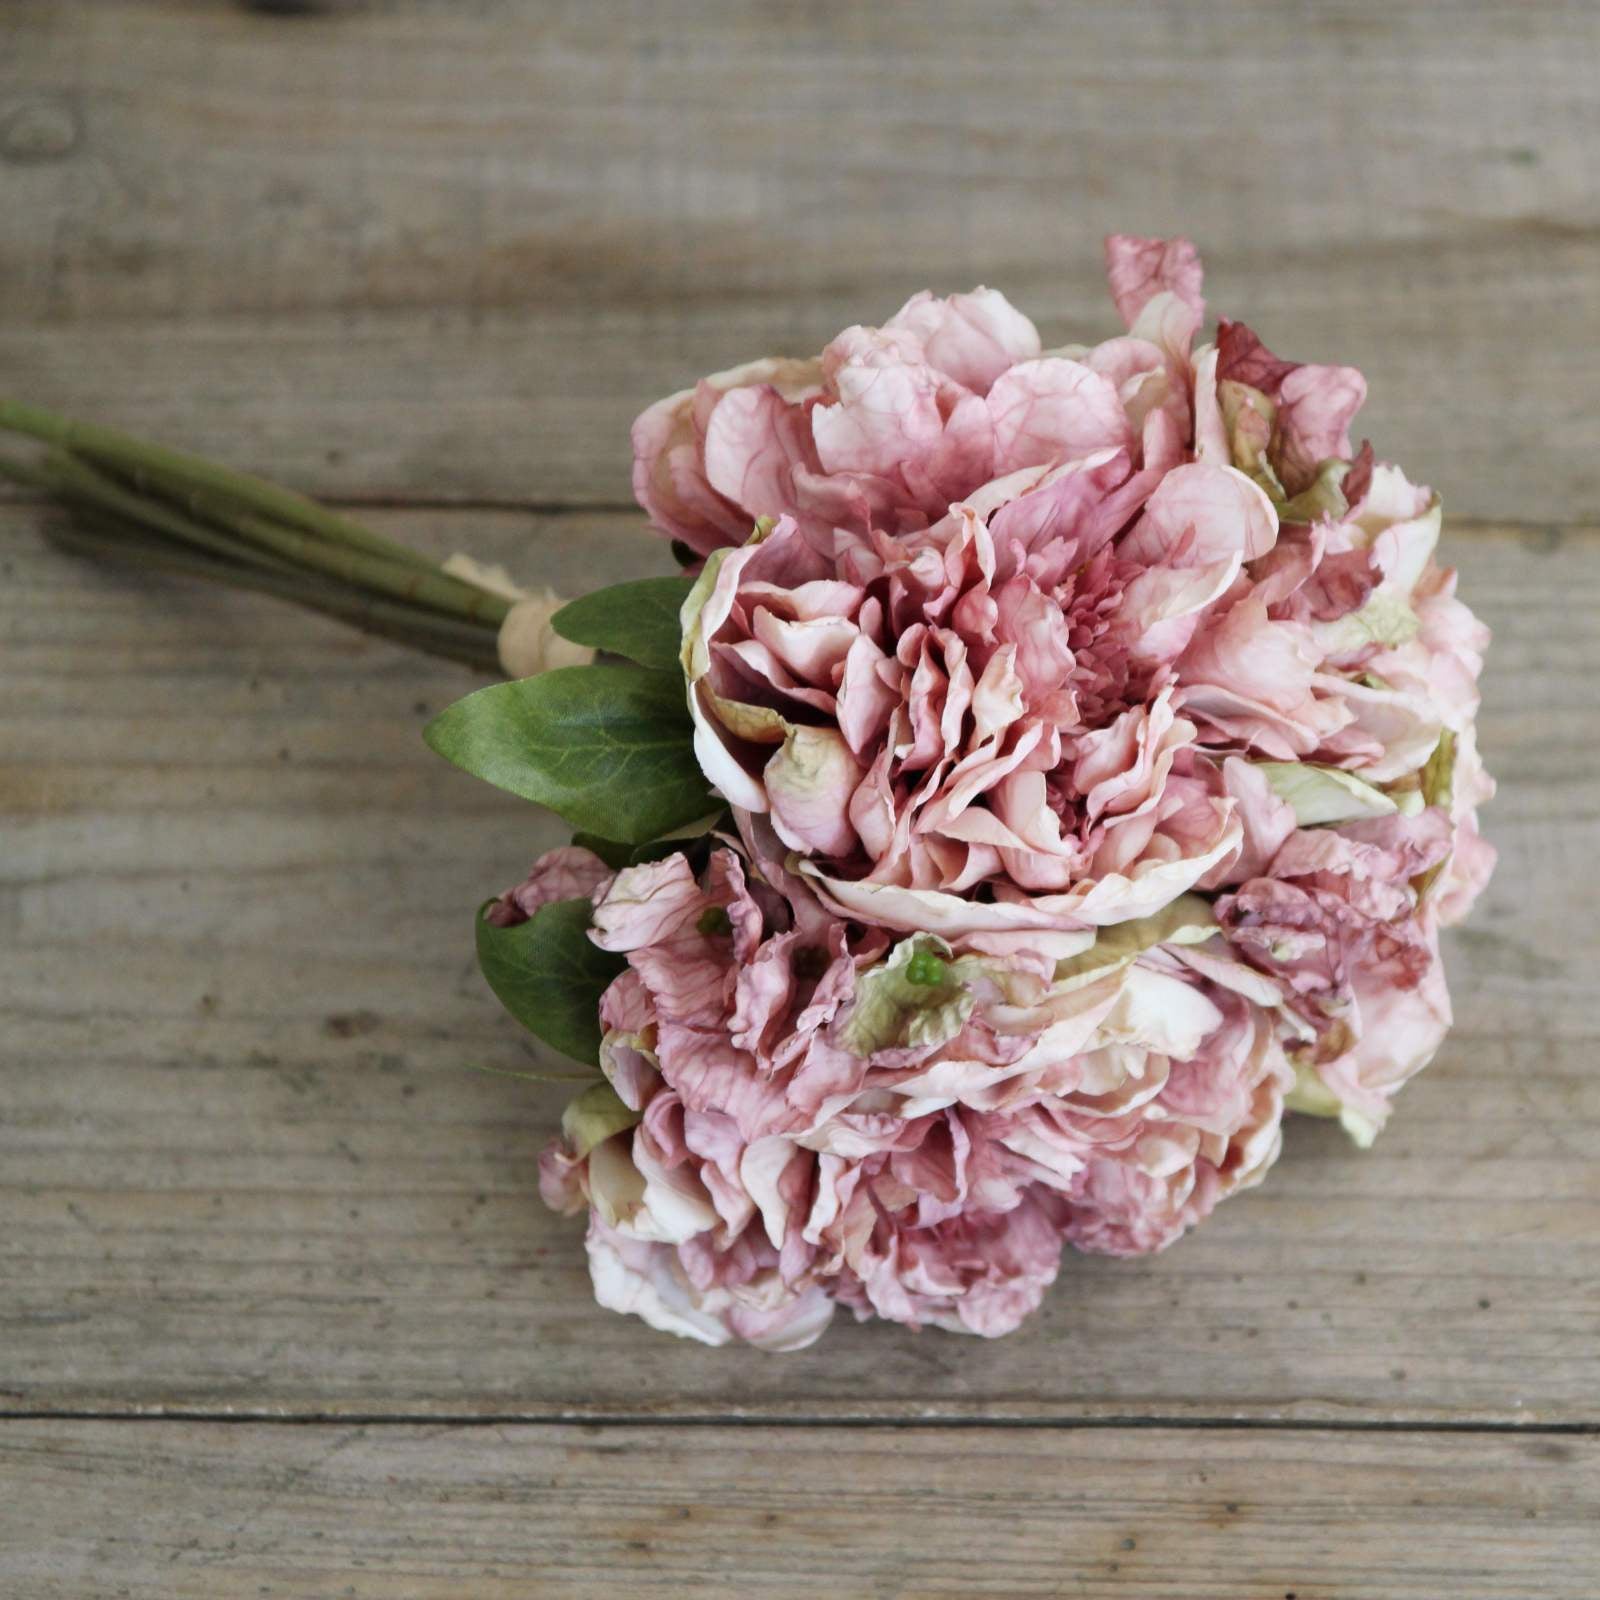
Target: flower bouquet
1051, 768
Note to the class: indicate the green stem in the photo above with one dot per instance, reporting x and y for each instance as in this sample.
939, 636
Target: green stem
152, 504
440, 636
127, 454
425, 586
84, 489
245, 537
413, 580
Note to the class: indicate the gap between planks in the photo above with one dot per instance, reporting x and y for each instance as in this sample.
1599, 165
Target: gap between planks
689, 1421
22, 500
13, 496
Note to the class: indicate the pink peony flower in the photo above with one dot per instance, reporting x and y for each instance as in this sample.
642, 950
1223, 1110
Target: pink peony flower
883, 429
889, 426
800, 1113
1041, 708
956, 716
1344, 921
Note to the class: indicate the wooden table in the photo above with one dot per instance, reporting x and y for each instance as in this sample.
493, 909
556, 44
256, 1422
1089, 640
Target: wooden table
280, 1312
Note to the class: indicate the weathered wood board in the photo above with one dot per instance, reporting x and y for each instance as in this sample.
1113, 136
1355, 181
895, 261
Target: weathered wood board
170, 1511
449, 248
280, 1312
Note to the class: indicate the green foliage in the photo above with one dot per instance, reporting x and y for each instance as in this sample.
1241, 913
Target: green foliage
609, 748
638, 620
549, 975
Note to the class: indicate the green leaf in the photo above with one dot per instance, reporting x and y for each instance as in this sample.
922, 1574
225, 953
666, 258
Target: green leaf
549, 975
693, 842
1187, 920
614, 854
1321, 794
596, 1115
1439, 772
1322, 497
609, 748
1386, 619
638, 620
528, 1077
917, 997
1313, 1097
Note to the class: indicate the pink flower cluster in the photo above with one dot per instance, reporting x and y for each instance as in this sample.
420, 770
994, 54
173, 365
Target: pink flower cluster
805, 1111
1098, 730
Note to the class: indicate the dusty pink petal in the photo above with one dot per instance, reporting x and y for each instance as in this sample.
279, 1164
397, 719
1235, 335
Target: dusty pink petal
1036, 631
972, 338
625, 1006
1391, 731
1170, 323
1260, 660
887, 410
1210, 435
561, 1179
1054, 410
1453, 642
1253, 680
811, 649
754, 444
731, 1299
1380, 495
1242, 358
669, 478
681, 938
763, 991
566, 873
866, 694
1212, 1131
792, 1324
647, 905
980, 1273
1122, 768
1466, 873
1163, 606
710, 1073
1047, 522
1201, 514
1315, 409
1136, 367
809, 783
1267, 822
1139, 269
1315, 405
1401, 1027
1152, 381
1341, 925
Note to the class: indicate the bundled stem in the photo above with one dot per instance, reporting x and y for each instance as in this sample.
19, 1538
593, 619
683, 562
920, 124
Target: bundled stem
471, 646
142, 503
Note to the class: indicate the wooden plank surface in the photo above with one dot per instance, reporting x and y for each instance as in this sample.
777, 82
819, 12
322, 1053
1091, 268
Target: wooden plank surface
432, 256
439, 248
404, 1513
246, 1169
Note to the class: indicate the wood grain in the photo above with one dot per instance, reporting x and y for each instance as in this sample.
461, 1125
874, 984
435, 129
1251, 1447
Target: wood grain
429, 1513
247, 1170
437, 253
448, 248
